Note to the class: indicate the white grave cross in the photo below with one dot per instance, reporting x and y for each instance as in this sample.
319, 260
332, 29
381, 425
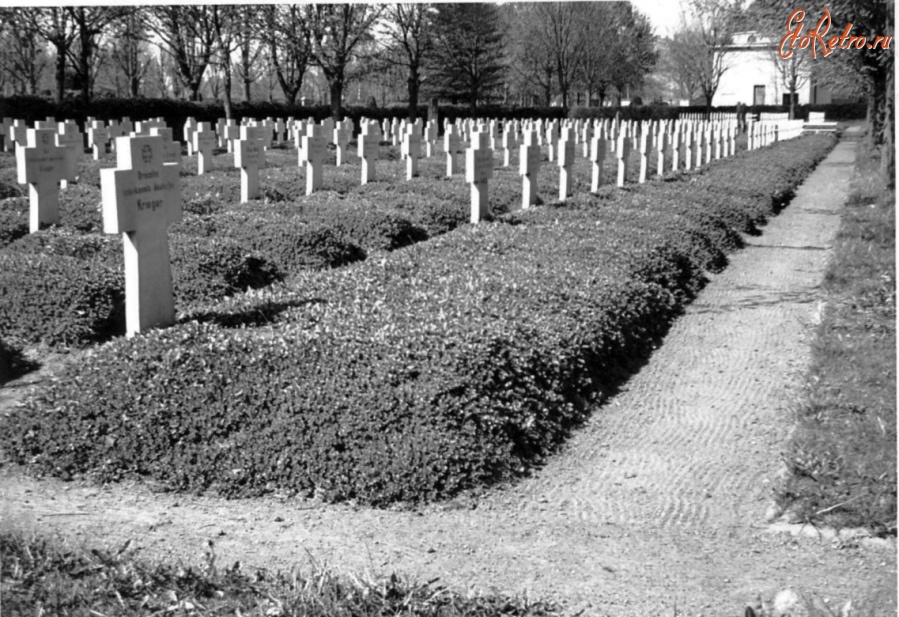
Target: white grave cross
249, 156
478, 171
204, 142
565, 161
530, 158
141, 198
314, 146
411, 150
41, 165
369, 144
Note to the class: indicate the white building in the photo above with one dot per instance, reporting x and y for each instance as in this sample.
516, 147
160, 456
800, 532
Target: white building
755, 74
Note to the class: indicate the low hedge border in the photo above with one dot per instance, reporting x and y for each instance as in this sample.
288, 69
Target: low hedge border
452, 364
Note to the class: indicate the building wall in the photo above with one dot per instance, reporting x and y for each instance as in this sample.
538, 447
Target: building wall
749, 68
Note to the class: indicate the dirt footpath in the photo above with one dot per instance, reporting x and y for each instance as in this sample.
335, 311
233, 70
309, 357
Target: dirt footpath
658, 502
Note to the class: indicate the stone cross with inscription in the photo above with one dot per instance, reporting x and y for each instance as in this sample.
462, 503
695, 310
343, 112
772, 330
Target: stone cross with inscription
141, 198
41, 164
478, 171
529, 159
249, 156
315, 144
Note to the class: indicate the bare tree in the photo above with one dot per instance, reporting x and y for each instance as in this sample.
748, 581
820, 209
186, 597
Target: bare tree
289, 46
336, 30
128, 49
189, 39
408, 35
596, 62
706, 27
89, 24
55, 26
24, 59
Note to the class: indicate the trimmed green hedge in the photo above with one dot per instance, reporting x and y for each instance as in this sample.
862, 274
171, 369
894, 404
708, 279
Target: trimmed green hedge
61, 288
451, 364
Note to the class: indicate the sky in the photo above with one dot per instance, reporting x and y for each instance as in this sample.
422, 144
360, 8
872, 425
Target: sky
663, 14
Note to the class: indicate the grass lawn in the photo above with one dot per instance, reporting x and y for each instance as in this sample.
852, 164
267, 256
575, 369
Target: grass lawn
42, 576
842, 458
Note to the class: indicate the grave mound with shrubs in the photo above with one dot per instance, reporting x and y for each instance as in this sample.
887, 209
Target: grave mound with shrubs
448, 365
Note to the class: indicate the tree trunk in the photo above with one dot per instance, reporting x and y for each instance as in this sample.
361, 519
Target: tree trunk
413, 93
227, 95
245, 58
60, 71
335, 87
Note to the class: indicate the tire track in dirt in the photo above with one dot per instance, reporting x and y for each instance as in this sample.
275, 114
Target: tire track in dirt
656, 500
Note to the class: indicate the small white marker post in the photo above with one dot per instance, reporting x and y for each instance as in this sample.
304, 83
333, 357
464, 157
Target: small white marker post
452, 145
410, 150
598, 146
41, 164
529, 159
566, 160
369, 144
315, 144
677, 145
478, 171
249, 156
97, 136
171, 149
623, 151
395, 133
718, 138
141, 198
204, 142
232, 134
343, 132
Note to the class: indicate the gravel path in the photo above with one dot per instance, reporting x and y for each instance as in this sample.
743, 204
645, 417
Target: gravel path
656, 505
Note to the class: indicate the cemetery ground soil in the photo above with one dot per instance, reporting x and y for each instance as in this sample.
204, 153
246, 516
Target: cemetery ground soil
656, 506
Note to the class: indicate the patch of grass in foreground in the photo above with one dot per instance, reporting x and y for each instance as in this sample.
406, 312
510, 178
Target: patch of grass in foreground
39, 576
842, 458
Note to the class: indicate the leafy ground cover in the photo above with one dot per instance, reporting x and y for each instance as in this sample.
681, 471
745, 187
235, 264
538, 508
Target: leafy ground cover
222, 247
842, 458
448, 365
39, 575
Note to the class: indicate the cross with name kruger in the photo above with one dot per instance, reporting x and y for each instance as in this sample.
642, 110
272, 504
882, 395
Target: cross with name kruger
141, 198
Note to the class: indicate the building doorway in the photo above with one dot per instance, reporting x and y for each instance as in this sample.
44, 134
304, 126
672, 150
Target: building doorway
758, 95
